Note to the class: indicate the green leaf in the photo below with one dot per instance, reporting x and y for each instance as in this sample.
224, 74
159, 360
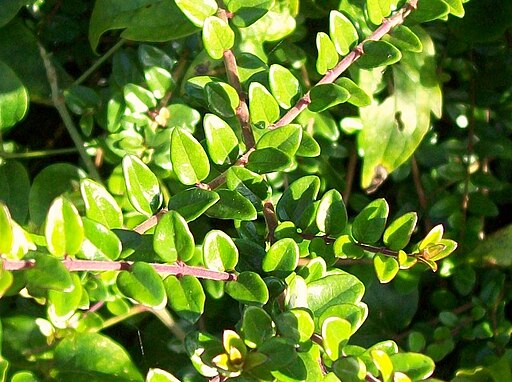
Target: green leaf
192, 203
9, 10
356, 314
350, 369
221, 140
138, 99
283, 255
219, 251
48, 273
331, 216
386, 267
297, 198
263, 107
296, 324
333, 290
249, 288
398, 233
217, 36
185, 296
246, 12
431, 10
308, 146
324, 96
335, 333
189, 160
378, 53
146, 20
6, 231
100, 243
327, 54
284, 86
257, 326
151, 56
383, 362
172, 239
159, 81
142, 186
369, 224
268, 159
14, 189
63, 304
197, 12
100, 205
342, 32
456, 7
87, 357
6, 281
358, 96
249, 184
285, 138
405, 39
64, 229
416, 366
159, 375
222, 98
378, 10
433, 237
143, 284
13, 98
81, 99
51, 182
232, 205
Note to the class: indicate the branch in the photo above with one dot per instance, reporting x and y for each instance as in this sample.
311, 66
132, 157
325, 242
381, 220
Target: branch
73, 265
386, 26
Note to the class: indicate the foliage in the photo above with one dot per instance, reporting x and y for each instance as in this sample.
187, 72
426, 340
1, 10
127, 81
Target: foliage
207, 224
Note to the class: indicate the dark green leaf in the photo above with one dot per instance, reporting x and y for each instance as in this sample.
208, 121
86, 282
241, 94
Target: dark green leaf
192, 203
283, 255
232, 205
222, 98
331, 216
327, 54
99, 243
87, 357
296, 324
248, 11
378, 53
13, 98
217, 36
369, 224
283, 85
350, 369
185, 296
14, 189
142, 186
249, 288
297, 198
268, 159
219, 251
189, 160
398, 233
405, 39
257, 326
143, 284
221, 140
197, 12
173, 239
249, 184
9, 10
325, 96
100, 205
48, 273
81, 99
342, 32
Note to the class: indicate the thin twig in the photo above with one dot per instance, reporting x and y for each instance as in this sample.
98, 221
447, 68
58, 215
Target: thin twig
386, 26
269, 213
60, 105
151, 222
351, 171
165, 318
38, 154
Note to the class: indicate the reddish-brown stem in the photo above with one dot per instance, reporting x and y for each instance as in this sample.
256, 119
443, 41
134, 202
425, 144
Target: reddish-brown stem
351, 171
386, 26
151, 222
271, 219
74, 265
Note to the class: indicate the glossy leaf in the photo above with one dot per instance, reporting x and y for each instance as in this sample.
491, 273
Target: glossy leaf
325, 96
386, 267
222, 98
217, 36
308, 146
268, 159
283, 255
100, 205
232, 205
221, 140
6, 231
415, 366
48, 273
335, 333
350, 369
378, 53
435, 9
383, 362
142, 186
342, 32
6, 280
249, 184
138, 99
173, 239
297, 197
158, 80
286, 139
249, 289
433, 237
327, 54
369, 224
192, 203
14, 189
100, 243
219, 251
247, 12
64, 229
399, 232
405, 39
296, 324
13, 98
197, 12
377, 10
185, 296
189, 160
93, 356
63, 304
143, 284
331, 216
159, 375
284, 86
263, 107
358, 96
257, 326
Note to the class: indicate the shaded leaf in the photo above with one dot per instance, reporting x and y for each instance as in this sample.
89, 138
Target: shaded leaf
249, 288
13, 98
192, 203
185, 296
232, 205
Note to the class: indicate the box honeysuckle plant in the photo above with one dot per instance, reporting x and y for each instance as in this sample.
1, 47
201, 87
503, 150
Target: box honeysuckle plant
207, 213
